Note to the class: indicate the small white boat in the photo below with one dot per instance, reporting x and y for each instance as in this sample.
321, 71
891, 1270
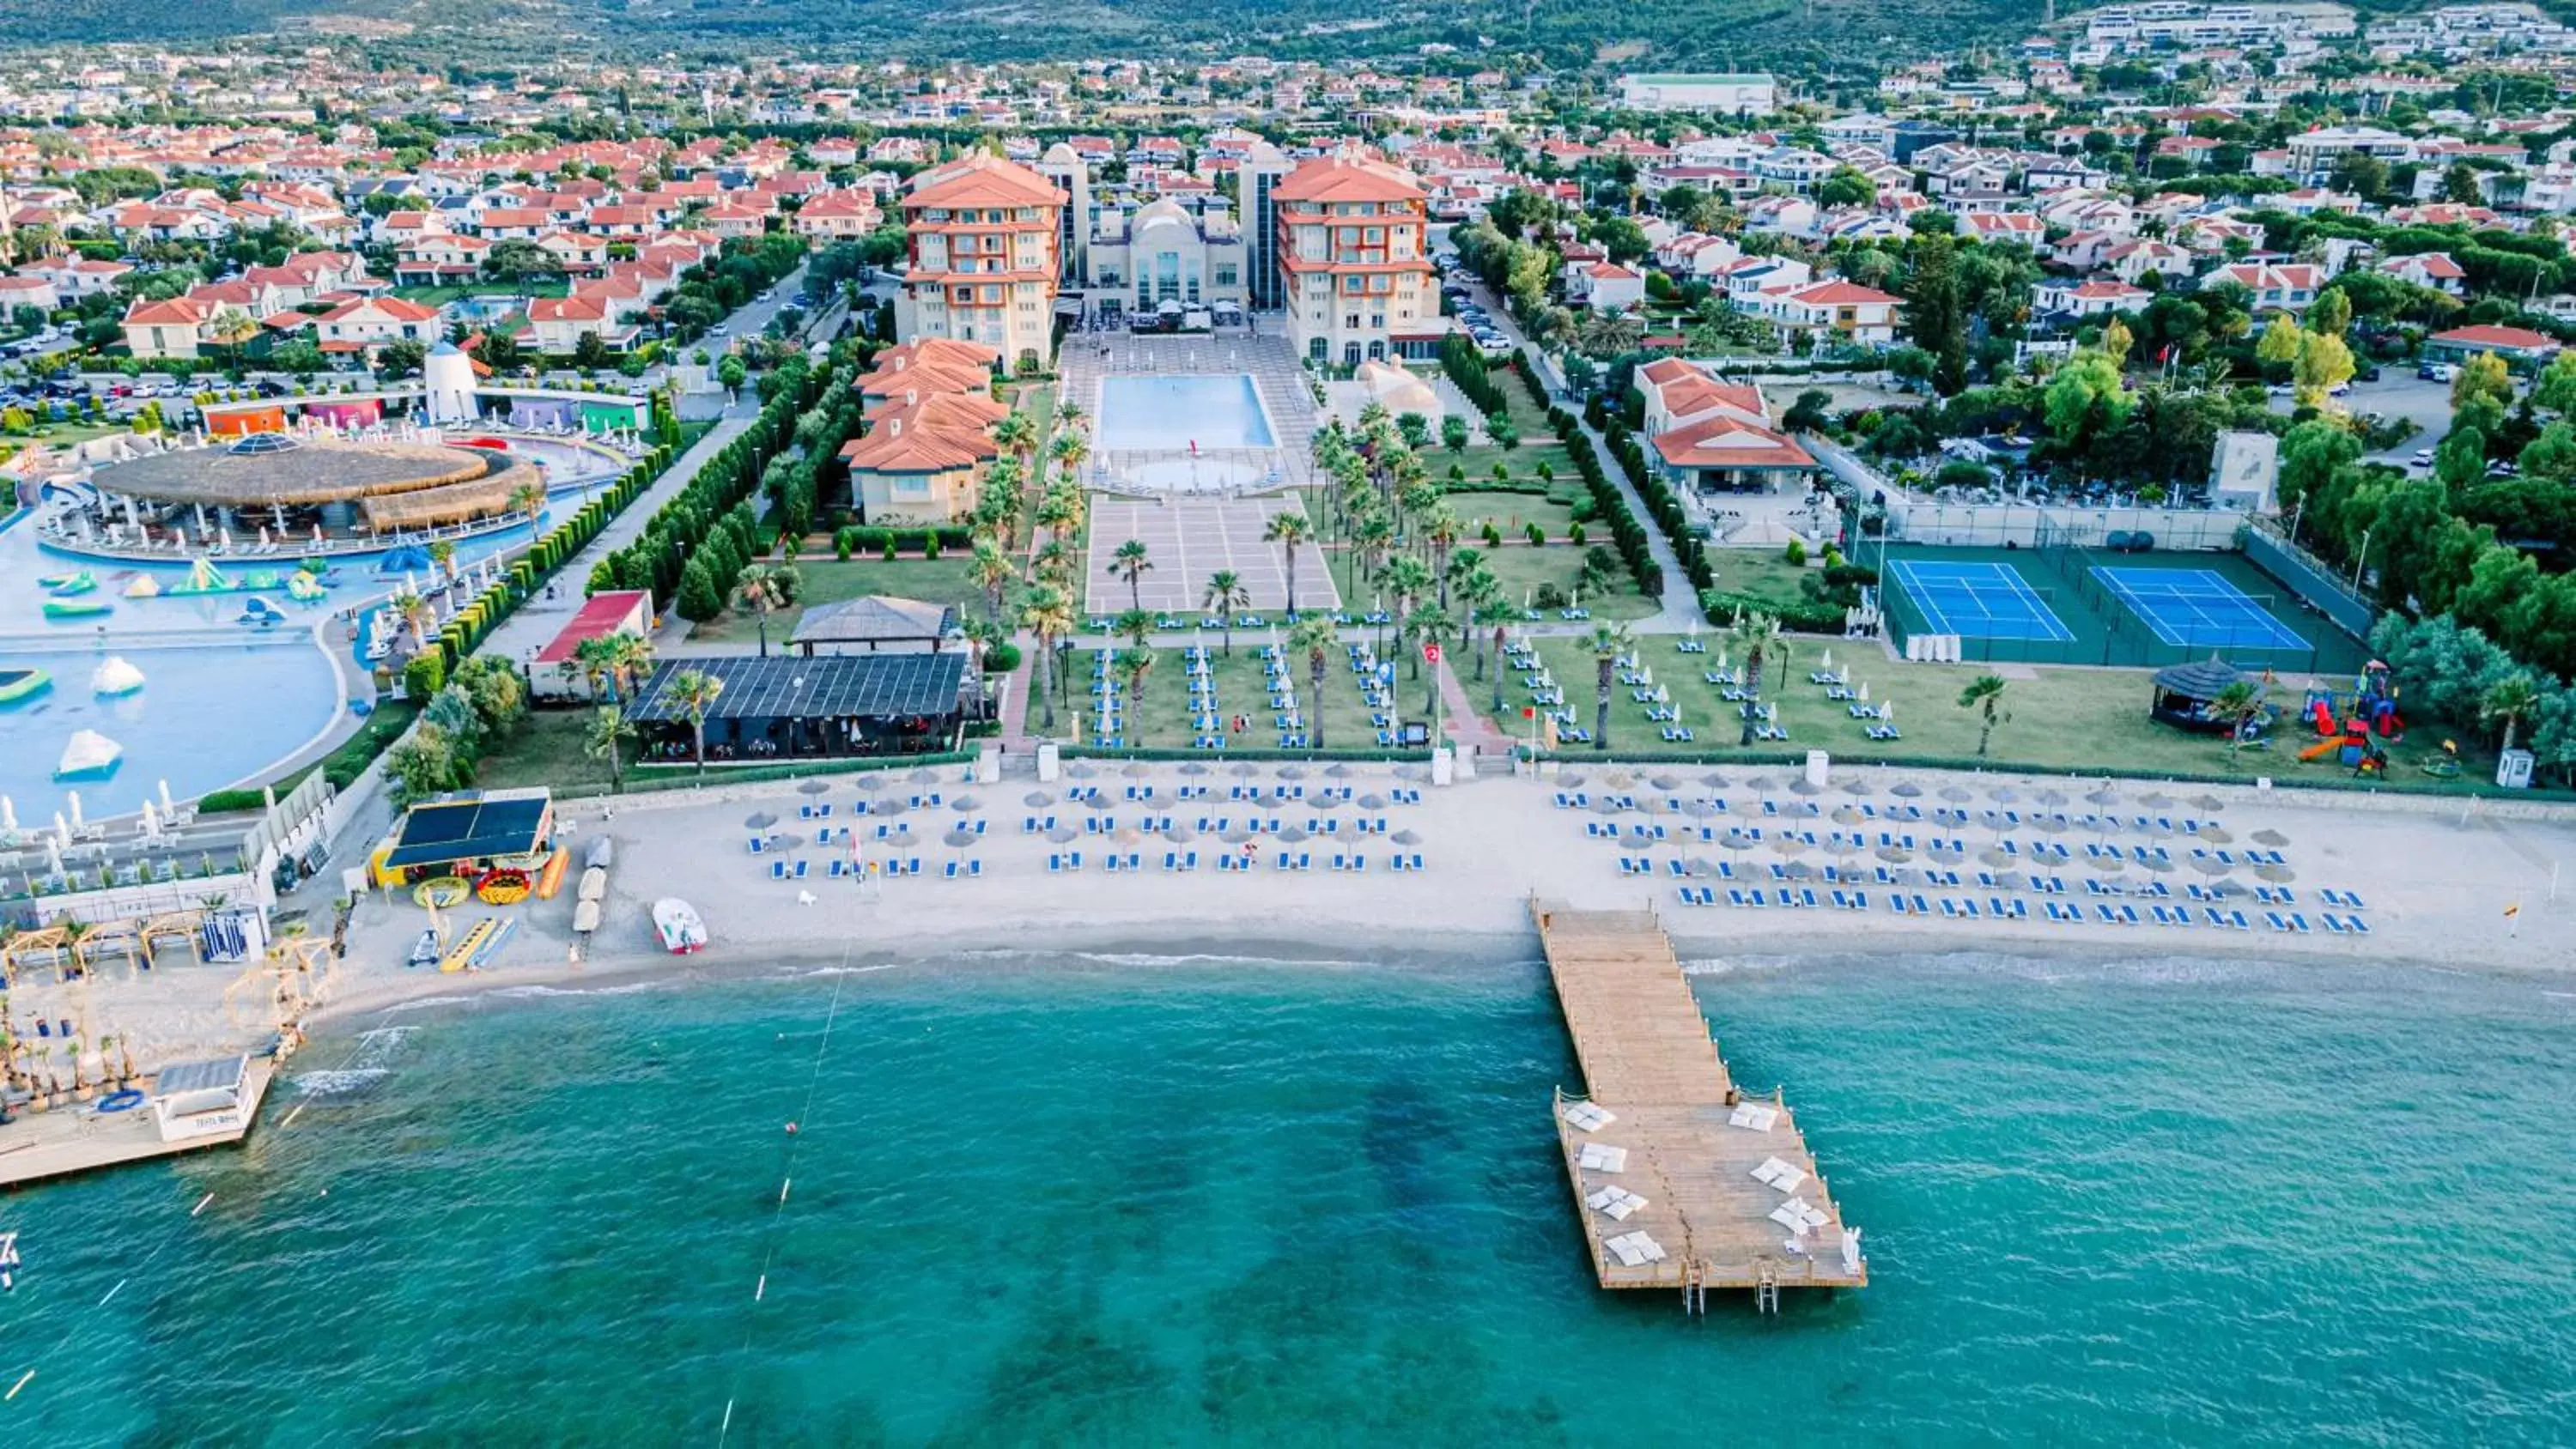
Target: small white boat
681, 930
426, 951
89, 755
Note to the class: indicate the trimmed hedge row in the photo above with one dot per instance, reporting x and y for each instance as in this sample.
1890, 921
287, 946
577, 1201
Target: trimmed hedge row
869, 542
470, 626
1467, 368
1609, 505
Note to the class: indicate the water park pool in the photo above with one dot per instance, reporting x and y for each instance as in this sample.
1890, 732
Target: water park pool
205, 717
1184, 413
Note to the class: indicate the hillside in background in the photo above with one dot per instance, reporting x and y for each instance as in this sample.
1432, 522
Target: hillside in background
1704, 33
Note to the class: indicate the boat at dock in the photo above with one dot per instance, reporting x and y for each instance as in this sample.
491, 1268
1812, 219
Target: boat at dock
677, 922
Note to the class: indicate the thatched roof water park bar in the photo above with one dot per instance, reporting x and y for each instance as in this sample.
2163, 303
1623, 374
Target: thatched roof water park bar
316, 486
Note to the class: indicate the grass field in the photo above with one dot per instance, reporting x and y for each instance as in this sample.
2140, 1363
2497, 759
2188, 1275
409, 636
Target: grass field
1513, 513
549, 750
2067, 720
828, 581
1159, 718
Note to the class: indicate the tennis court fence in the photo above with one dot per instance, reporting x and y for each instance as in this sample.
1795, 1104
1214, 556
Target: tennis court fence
2025, 525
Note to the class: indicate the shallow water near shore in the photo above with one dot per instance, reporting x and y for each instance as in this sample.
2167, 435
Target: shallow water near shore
1177, 1198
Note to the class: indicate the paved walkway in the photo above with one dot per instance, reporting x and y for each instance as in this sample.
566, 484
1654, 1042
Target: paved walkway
1680, 601
537, 621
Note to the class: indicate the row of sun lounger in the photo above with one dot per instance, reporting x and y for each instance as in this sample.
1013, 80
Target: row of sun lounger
1997, 908
1061, 862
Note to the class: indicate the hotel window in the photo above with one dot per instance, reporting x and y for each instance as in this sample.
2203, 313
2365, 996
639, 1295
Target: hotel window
1352, 321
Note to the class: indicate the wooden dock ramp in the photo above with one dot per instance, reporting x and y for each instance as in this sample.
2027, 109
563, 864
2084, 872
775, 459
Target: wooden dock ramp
1723, 1176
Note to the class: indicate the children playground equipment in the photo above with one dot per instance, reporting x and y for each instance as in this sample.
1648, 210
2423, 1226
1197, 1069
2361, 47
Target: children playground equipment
2356, 729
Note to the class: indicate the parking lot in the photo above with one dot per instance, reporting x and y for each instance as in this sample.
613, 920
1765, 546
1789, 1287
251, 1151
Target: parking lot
2398, 393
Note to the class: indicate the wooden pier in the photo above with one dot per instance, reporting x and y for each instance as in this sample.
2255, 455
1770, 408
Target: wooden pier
79, 1138
1731, 1198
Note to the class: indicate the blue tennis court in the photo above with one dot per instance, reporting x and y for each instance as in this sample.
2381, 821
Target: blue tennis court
2195, 607
1979, 601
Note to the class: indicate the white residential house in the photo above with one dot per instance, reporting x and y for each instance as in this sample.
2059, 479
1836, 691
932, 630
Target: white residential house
2429, 269
2275, 286
1610, 287
2093, 297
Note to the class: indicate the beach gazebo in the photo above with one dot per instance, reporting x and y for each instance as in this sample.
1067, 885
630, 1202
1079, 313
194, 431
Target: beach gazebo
2184, 693
202, 1099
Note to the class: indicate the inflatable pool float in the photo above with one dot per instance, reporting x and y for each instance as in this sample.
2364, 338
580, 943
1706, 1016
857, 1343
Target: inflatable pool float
303, 586
440, 890
143, 586
18, 684
114, 678
89, 756
503, 888
57, 581
70, 584
77, 608
123, 1099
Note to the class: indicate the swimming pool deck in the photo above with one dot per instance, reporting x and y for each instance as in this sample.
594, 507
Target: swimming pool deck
1649, 1061
80, 1138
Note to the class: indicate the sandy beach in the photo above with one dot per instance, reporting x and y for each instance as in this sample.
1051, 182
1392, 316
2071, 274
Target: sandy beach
2436, 881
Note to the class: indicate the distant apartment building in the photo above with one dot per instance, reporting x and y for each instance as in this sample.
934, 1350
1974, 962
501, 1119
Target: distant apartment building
984, 238
1725, 93
1351, 251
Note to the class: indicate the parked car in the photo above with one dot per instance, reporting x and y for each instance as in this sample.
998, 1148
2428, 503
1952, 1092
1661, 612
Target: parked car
2435, 372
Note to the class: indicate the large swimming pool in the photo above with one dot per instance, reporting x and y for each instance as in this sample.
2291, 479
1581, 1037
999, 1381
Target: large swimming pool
207, 716
1182, 414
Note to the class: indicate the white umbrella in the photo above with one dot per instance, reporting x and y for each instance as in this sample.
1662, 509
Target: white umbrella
8, 815
54, 855
62, 832
77, 822
151, 821
166, 806
1864, 691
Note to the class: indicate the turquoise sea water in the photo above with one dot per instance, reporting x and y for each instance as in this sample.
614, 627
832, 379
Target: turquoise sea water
1158, 1201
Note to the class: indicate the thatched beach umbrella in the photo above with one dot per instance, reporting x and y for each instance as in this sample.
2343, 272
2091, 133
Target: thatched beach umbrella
1717, 780
1236, 834
1957, 794
1946, 851
1735, 840
1761, 784
1328, 802
1243, 769
1700, 809
2211, 865
1894, 854
1665, 782
1127, 835
1036, 798
1804, 786
1271, 802
1081, 770
813, 787
759, 820
1064, 835
1848, 815
2159, 864
1654, 805
2003, 795
1179, 834
2053, 799
1338, 772
1859, 789
1618, 780
2207, 804
2156, 800
924, 776
1405, 837
1293, 834
2213, 835
900, 838
1787, 845
1905, 790
959, 838
2276, 873
1292, 772
2111, 865
892, 805
1996, 856
962, 803
2269, 837
2105, 795
871, 783
2156, 828
1378, 802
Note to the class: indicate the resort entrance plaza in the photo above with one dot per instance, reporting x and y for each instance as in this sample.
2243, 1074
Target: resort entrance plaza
1197, 413
1188, 539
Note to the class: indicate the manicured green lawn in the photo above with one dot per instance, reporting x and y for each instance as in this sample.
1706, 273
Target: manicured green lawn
1522, 569
548, 750
941, 580
2060, 719
1761, 572
1160, 717
441, 296
1514, 512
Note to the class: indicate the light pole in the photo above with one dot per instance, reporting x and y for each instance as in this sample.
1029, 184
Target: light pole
2361, 556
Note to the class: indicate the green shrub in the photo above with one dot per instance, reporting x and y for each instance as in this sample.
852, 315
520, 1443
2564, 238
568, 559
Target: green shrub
425, 675
1002, 658
1796, 554
1537, 535
1574, 534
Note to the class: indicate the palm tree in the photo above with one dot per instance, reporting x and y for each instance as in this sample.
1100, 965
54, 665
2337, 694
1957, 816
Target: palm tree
1608, 642
1069, 414
1429, 624
1016, 435
629, 655
1751, 635
1053, 563
760, 589
229, 328
443, 554
1068, 450
1986, 695
415, 616
1440, 530
695, 693
2236, 704
1409, 579
1131, 564
1133, 665
992, 571
1316, 635
528, 498
1060, 512
2508, 702
1226, 595
1133, 625
609, 732
1289, 528
1048, 613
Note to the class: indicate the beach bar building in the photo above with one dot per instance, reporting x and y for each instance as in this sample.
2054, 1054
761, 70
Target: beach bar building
554, 671
467, 829
203, 1099
823, 707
